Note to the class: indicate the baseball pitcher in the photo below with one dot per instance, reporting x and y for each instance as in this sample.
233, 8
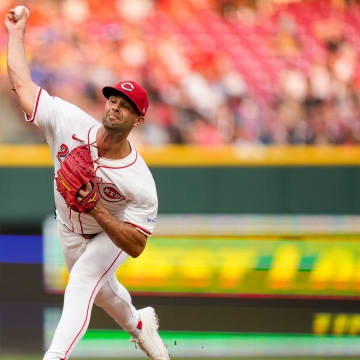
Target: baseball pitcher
105, 196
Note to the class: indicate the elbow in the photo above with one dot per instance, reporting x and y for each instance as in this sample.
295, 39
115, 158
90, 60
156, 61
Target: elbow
139, 247
135, 254
136, 251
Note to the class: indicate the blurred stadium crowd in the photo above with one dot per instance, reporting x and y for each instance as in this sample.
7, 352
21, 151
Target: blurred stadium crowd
218, 71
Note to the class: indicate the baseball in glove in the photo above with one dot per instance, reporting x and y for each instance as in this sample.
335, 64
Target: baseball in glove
75, 173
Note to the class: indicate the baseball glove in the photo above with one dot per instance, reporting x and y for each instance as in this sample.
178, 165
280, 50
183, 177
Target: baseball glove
75, 173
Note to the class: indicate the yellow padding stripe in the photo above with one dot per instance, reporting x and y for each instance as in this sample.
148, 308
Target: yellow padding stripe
25, 155
251, 155
178, 155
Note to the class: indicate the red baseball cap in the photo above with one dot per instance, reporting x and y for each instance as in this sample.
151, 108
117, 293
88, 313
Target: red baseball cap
137, 95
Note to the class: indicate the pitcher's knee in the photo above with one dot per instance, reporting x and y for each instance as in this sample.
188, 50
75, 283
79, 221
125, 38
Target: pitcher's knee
100, 300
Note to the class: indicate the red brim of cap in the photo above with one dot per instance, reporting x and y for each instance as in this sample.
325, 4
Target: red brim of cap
108, 91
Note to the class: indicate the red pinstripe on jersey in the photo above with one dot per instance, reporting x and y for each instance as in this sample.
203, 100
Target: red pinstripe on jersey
89, 134
72, 225
110, 167
82, 230
36, 107
138, 227
118, 167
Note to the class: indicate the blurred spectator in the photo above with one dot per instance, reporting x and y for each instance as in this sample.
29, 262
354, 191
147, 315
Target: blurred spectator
217, 71
286, 41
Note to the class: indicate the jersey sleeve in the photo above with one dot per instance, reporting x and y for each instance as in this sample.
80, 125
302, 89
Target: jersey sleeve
44, 110
141, 213
51, 113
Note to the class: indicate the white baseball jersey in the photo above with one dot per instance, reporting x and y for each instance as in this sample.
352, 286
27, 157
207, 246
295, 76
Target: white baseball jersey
127, 188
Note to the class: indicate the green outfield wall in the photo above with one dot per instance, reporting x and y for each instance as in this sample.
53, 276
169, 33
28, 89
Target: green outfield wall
26, 193
204, 180
259, 190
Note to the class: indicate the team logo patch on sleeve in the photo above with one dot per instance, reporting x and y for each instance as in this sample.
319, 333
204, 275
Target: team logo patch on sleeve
109, 192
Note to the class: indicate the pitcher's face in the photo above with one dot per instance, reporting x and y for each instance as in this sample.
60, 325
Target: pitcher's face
120, 114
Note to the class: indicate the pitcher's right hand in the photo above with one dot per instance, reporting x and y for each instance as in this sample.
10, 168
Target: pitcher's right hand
12, 25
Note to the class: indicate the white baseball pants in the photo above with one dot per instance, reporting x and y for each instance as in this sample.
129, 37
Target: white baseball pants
92, 265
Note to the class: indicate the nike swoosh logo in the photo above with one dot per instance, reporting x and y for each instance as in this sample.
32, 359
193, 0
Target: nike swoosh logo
76, 138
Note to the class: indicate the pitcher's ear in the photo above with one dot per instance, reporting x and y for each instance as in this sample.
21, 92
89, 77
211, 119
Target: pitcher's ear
139, 121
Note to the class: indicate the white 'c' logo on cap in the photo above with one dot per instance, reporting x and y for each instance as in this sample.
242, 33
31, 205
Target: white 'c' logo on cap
128, 86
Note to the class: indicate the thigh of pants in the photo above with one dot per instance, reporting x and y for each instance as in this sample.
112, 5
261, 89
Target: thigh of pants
96, 253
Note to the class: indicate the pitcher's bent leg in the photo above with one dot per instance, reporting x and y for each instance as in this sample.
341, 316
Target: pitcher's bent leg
116, 301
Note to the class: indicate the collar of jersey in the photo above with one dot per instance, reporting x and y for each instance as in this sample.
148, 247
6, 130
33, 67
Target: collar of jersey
103, 161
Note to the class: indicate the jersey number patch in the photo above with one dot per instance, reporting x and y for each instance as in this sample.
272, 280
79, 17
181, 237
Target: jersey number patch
64, 151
